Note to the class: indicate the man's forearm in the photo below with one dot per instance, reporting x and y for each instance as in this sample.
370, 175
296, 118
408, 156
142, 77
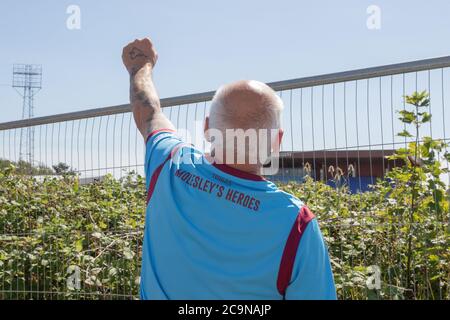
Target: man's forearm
139, 57
144, 99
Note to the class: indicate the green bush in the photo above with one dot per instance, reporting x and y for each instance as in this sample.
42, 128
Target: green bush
54, 227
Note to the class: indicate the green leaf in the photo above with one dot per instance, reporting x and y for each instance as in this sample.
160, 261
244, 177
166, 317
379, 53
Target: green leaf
447, 156
128, 254
112, 272
405, 134
426, 117
418, 99
407, 116
76, 185
433, 258
79, 245
424, 103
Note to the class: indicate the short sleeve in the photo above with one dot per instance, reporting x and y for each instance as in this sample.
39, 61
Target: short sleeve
159, 146
312, 278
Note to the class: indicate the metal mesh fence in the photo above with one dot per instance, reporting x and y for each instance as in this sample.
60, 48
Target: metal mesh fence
71, 222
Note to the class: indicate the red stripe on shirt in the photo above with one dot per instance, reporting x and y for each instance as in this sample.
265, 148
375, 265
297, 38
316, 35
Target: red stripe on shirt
291, 247
157, 172
158, 131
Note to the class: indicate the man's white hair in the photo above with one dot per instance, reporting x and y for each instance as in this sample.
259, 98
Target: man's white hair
270, 119
242, 111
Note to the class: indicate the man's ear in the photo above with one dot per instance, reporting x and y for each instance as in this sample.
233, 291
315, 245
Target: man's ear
276, 142
280, 137
206, 130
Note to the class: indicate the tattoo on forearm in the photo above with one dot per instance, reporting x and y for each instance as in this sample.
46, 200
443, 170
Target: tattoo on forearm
143, 97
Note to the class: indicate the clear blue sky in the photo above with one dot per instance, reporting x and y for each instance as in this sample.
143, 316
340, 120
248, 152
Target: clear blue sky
203, 44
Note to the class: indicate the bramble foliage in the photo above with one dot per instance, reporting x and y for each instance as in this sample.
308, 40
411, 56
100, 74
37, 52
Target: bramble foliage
23, 167
52, 228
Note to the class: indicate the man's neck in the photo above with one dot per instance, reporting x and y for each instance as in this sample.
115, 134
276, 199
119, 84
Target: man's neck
249, 168
253, 169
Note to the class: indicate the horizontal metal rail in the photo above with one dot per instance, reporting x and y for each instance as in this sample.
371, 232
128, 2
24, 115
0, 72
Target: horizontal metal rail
359, 74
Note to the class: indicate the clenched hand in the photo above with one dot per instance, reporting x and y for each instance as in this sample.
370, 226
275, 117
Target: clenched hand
138, 54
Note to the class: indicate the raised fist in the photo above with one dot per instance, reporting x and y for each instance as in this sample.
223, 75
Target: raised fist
139, 53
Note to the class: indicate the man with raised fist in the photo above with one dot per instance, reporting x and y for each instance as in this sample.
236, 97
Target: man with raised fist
215, 227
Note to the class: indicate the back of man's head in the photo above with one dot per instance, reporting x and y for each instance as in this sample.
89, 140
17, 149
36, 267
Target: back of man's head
246, 114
